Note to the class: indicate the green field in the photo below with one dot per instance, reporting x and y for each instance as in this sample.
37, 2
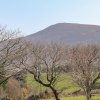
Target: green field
78, 98
63, 82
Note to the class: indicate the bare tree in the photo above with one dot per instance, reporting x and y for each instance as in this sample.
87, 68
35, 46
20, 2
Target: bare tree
11, 50
84, 61
46, 62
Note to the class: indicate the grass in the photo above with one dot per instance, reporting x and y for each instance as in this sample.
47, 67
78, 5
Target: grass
78, 98
63, 82
81, 98
73, 98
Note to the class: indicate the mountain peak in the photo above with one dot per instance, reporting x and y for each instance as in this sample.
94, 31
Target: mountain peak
68, 33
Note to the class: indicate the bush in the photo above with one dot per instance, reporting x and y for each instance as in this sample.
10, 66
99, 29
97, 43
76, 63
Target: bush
13, 89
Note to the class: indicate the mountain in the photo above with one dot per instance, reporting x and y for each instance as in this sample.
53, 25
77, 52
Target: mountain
68, 33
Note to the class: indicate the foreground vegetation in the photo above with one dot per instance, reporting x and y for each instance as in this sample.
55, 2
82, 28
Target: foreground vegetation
78, 98
65, 83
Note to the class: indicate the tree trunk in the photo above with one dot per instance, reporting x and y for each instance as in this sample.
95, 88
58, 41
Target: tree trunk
56, 94
88, 94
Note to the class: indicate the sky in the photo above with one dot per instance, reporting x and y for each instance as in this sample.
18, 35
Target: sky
31, 16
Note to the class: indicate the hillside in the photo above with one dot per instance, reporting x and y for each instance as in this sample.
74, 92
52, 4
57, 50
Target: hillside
68, 33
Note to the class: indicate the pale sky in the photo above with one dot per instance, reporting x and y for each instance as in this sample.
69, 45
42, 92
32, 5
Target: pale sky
34, 15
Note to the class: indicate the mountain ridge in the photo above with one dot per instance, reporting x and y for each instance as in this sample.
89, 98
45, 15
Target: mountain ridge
68, 33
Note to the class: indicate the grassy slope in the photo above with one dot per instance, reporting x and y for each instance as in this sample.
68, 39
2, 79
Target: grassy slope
78, 98
63, 82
